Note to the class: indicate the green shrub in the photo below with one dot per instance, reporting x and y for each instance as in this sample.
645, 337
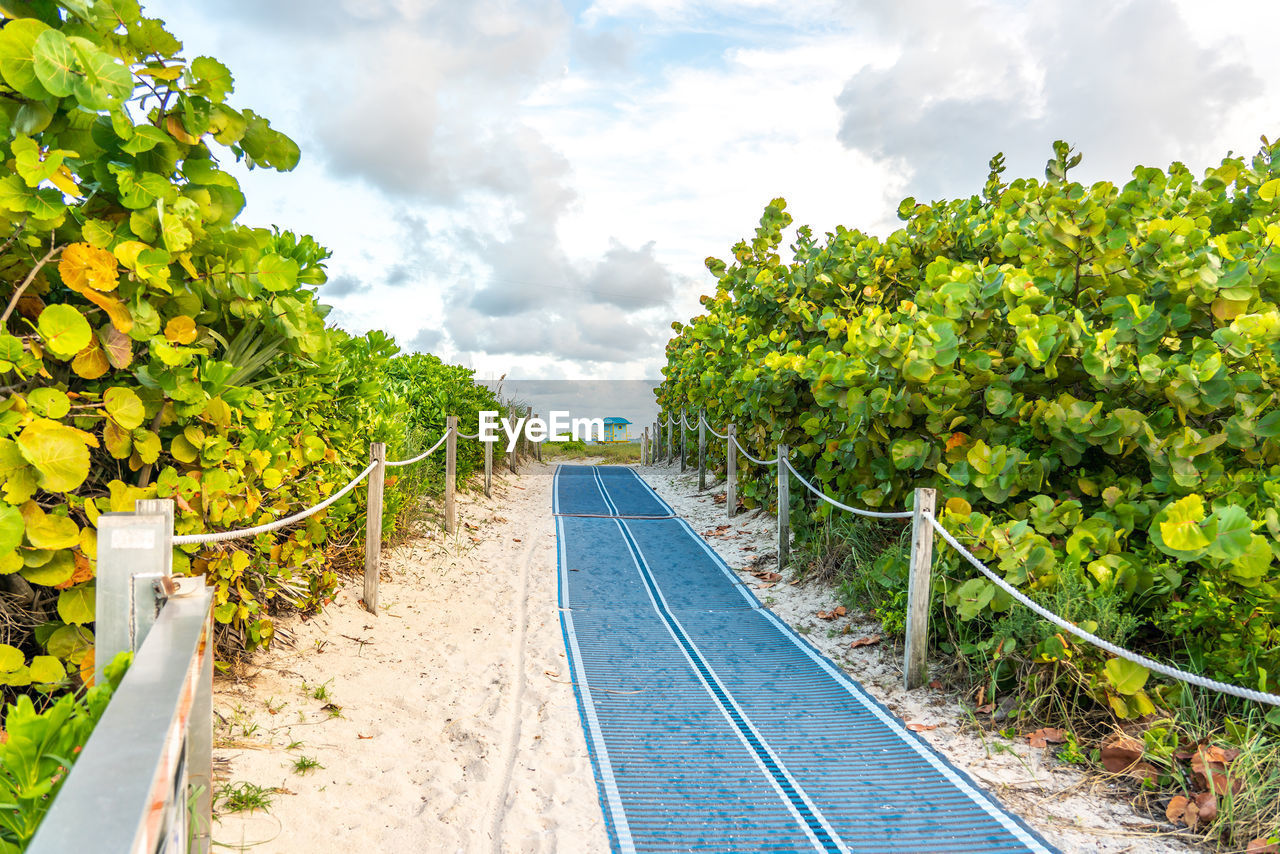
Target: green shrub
1086, 374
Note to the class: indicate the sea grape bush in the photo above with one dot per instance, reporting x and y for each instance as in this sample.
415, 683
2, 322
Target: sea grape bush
1088, 375
152, 346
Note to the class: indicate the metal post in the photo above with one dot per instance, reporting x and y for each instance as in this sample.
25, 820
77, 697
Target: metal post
731, 473
488, 469
784, 508
129, 545
200, 753
702, 450
450, 472
373, 525
915, 666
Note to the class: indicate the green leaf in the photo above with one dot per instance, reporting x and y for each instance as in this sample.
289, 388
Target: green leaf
49, 531
59, 569
103, 81
277, 273
17, 57
974, 595
1268, 191
54, 63
70, 643
76, 606
124, 407
11, 527
46, 668
64, 330
49, 402
1235, 529
59, 454
213, 78
1125, 676
11, 658
1182, 530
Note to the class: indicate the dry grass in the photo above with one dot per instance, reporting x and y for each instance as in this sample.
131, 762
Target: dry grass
614, 453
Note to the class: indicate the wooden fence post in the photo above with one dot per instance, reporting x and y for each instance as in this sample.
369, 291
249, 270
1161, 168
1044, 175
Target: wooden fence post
731, 472
684, 444
537, 446
915, 666
784, 508
488, 469
450, 472
670, 439
702, 450
644, 447
373, 525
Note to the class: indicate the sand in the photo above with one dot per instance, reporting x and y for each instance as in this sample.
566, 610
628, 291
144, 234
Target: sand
447, 723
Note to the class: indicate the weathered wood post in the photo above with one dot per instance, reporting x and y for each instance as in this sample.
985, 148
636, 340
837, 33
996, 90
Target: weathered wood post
702, 450
537, 446
373, 525
915, 668
731, 472
450, 472
511, 454
684, 442
488, 468
670, 438
644, 447
784, 508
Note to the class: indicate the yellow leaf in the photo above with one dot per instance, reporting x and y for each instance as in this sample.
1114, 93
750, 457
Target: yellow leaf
173, 124
90, 363
86, 669
63, 180
180, 330
83, 267
121, 319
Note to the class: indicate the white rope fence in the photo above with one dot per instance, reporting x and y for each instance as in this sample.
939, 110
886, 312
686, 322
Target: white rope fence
747, 454
724, 435
1121, 652
874, 514
223, 536
921, 553
420, 457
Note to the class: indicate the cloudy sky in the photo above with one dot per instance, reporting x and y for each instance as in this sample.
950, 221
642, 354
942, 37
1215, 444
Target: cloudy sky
530, 187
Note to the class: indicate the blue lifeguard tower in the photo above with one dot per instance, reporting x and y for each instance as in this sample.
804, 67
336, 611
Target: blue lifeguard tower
615, 430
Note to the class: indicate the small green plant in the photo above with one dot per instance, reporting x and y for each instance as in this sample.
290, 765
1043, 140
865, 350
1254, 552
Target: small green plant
303, 764
317, 692
294, 745
1071, 752
243, 797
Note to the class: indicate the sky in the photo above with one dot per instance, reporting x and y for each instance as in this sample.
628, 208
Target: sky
530, 187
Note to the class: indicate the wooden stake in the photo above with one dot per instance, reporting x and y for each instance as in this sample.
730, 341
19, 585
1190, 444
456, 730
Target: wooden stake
488, 469
373, 526
644, 447
915, 666
684, 446
702, 450
670, 438
731, 473
784, 508
450, 473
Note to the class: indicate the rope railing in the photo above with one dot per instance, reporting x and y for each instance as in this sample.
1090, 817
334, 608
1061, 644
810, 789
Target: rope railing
874, 514
420, 457
747, 454
724, 435
1119, 651
924, 520
223, 536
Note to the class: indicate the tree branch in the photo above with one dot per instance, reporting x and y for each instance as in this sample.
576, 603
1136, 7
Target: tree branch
13, 300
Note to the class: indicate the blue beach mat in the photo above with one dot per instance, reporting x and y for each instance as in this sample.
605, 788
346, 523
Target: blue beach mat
712, 725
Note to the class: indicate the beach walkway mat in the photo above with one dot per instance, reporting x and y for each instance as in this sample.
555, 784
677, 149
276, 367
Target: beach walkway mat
712, 725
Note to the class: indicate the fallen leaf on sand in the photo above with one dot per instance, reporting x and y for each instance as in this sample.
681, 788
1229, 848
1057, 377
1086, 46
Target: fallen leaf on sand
831, 615
1262, 846
922, 727
766, 575
515, 539
1046, 736
1120, 752
867, 641
987, 708
358, 735
1209, 768
1176, 810
935, 685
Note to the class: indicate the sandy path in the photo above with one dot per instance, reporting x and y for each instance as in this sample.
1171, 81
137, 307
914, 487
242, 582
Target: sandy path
447, 723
